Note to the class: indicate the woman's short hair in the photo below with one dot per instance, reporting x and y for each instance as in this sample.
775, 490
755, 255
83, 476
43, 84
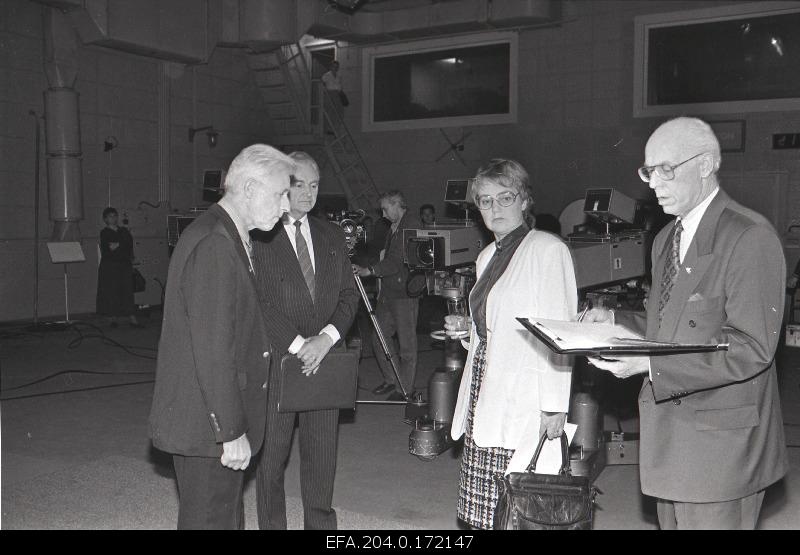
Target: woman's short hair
506, 173
108, 211
509, 174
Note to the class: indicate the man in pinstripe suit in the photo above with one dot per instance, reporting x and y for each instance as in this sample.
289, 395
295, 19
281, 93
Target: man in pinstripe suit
310, 300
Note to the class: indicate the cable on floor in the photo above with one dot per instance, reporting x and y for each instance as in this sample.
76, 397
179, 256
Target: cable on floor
71, 371
100, 334
74, 390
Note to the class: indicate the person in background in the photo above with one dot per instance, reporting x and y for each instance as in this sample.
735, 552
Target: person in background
310, 300
115, 274
396, 311
513, 389
711, 426
427, 215
333, 84
210, 397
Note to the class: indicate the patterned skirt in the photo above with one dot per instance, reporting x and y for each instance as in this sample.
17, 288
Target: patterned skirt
480, 466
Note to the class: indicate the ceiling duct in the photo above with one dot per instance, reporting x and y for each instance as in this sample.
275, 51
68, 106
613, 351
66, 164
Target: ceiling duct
177, 30
379, 22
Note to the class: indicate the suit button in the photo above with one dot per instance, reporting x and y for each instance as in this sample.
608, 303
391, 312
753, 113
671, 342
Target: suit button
692, 323
266, 354
677, 401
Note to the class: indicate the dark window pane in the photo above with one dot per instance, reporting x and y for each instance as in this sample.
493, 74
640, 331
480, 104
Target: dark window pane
749, 58
456, 82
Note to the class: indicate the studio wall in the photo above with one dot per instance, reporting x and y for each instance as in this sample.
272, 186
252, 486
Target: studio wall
576, 128
119, 95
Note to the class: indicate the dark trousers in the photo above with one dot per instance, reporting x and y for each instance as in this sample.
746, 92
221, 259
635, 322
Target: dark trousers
318, 438
209, 494
738, 514
398, 316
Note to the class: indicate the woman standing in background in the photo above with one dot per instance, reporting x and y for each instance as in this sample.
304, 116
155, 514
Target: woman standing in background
115, 275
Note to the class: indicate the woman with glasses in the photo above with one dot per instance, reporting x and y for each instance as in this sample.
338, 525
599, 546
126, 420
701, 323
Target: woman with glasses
513, 389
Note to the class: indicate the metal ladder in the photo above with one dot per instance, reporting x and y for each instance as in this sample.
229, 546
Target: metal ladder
306, 115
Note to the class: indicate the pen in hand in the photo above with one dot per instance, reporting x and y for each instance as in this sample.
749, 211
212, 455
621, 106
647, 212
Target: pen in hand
585, 310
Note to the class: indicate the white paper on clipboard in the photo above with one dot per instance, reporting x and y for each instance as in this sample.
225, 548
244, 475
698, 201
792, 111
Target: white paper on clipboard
550, 457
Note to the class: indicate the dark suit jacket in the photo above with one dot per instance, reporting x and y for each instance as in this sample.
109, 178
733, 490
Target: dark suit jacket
711, 426
392, 270
283, 291
211, 377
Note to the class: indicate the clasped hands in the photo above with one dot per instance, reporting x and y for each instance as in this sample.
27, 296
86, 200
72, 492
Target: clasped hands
626, 365
313, 351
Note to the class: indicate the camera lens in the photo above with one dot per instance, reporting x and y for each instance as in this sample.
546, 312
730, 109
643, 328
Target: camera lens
425, 252
348, 226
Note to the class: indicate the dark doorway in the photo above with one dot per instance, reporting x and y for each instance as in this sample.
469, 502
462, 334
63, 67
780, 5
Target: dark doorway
321, 60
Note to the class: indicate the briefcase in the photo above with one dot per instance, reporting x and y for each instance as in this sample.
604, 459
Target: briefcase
332, 387
529, 501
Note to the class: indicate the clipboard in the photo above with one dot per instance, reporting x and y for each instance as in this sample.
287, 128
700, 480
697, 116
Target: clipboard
591, 339
334, 386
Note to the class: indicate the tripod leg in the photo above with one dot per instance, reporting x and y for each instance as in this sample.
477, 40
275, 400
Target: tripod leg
379, 333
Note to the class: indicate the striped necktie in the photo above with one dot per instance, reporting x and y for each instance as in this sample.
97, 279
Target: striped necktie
671, 266
304, 258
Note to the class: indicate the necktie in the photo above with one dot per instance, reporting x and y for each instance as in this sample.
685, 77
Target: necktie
304, 258
671, 267
248, 247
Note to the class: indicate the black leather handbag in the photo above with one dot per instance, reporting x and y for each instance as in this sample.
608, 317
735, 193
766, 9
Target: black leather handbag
529, 501
139, 283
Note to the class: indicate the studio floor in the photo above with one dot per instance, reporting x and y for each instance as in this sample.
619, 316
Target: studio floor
75, 452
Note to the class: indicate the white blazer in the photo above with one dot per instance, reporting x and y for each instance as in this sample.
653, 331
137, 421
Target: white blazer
522, 376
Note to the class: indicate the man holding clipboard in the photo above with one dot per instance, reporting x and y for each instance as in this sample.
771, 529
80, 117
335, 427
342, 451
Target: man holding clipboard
711, 427
310, 299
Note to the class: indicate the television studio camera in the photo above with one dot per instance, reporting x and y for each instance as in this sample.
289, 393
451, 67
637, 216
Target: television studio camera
441, 259
352, 224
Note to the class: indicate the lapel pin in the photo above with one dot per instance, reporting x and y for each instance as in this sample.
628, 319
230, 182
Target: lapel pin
688, 270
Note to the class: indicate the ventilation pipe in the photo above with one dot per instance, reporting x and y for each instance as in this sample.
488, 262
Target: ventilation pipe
62, 127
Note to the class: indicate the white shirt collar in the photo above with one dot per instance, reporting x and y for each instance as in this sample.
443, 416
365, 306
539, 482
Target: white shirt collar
291, 220
692, 221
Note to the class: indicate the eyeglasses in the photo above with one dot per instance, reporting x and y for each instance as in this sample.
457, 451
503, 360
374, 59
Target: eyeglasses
485, 202
664, 171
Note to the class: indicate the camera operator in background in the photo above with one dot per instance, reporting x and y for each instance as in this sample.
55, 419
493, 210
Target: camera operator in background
427, 215
395, 310
513, 389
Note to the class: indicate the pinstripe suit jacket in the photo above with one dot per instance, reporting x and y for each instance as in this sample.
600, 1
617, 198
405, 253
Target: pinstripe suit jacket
287, 303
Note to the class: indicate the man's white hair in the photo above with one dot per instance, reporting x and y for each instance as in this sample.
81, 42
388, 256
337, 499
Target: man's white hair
696, 136
255, 162
299, 157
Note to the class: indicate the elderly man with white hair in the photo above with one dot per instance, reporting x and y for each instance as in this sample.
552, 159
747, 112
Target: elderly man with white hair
711, 427
210, 398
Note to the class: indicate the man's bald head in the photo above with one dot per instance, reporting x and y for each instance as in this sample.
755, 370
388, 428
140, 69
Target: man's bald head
689, 136
689, 150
